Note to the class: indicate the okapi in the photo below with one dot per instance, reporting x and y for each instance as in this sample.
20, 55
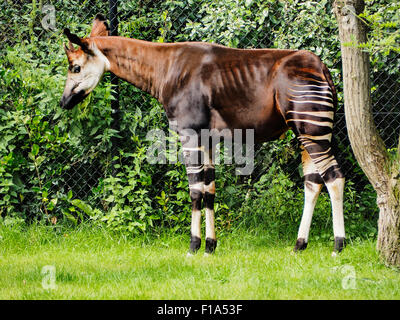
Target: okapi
210, 86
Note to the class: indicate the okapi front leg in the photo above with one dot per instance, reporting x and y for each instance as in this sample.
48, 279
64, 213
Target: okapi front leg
209, 196
196, 189
195, 173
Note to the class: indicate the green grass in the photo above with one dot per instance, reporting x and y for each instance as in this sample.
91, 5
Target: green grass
94, 264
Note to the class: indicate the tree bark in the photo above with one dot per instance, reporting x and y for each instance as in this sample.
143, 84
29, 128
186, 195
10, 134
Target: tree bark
388, 243
389, 218
368, 147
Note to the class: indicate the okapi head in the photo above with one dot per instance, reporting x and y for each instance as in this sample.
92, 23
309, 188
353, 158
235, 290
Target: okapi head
87, 64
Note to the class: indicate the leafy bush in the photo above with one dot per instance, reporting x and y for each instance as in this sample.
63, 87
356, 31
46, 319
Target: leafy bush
64, 164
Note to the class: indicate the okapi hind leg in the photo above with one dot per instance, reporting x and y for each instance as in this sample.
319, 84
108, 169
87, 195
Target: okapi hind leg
309, 112
336, 191
329, 170
312, 188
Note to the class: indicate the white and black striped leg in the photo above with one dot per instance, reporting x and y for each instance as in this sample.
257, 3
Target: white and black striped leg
209, 196
336, 190
195, 230
326, 164
334, 181
310, 115
312, 188
195, 173
196, 189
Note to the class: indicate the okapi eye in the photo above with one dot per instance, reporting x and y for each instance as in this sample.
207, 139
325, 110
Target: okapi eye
76, 69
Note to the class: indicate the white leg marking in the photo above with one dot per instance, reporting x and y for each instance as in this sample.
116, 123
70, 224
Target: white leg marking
318, 123
335, 190
210, 228
325, 103
311, 91
196, 223
326, 114
311, 95
309, 137
201, 148
196, 169
209, 188
311, 193
313, 85
197, 186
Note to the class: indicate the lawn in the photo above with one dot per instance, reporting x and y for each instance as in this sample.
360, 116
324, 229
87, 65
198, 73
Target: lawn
91, 263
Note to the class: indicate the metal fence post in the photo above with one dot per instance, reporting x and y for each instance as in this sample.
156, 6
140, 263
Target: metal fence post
113, 6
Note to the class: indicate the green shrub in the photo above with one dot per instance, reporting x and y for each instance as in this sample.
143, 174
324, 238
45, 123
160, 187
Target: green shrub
63, 164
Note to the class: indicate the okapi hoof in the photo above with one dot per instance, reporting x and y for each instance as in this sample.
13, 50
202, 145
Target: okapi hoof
339, 244
195, 243
301, 245
211, 244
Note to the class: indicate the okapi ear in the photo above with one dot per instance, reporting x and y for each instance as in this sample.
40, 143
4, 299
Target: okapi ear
70, 47
73, 38
99, 27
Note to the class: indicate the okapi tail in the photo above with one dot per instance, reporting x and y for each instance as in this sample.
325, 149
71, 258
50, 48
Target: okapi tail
334, 143
328, 77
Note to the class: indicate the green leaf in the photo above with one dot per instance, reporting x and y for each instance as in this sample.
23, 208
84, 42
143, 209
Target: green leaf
70, 217
83, 206
35, 149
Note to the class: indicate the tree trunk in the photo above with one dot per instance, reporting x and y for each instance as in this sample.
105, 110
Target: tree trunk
368, 147
389, 232
389, 220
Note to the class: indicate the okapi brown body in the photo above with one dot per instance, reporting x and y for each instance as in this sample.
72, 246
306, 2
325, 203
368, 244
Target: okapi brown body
209, 86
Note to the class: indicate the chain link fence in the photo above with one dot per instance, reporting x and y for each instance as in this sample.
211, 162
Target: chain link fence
306, 25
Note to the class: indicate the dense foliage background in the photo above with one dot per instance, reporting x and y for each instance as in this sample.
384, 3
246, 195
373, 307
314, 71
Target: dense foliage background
61, 167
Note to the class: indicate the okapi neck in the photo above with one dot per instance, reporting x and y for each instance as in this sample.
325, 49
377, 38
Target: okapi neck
141, 63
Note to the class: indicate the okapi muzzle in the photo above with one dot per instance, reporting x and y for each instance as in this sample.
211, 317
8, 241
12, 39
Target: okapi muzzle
68, 101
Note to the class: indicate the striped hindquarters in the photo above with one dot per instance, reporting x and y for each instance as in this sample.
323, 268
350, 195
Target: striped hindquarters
310, 113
